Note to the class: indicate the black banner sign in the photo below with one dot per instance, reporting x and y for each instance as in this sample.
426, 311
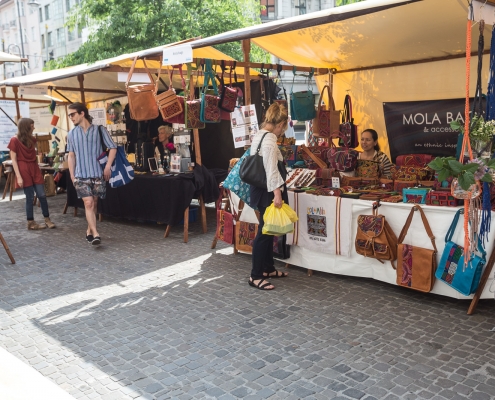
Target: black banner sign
423, 127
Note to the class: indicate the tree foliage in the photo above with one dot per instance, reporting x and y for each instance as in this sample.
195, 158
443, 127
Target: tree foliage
123, 26
344, 2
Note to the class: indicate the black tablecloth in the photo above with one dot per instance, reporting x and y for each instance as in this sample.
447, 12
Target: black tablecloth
153, 197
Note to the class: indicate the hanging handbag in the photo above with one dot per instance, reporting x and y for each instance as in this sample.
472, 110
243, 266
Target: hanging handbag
347, 127
283, 101
141, 98
178, 118
416, 265
210, 112
228, 98
451, 269
342, 158
168, 101
193, 106
327, 120
302, 104
252, 170
375, 238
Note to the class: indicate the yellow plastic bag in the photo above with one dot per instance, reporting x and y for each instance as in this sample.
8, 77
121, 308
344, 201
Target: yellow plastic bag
277, 220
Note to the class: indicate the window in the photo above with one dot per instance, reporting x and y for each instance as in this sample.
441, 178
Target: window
60, 36
21, 8
42, 40
33, 34
67, 5
47, 12
24, 35
49, 39
41, 14
269, 9
72, 36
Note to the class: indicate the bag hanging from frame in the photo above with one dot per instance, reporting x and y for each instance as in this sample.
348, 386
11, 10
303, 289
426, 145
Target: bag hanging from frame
415, 265
284, 100
141, 98
302, 104
210, 112
228, 98
342, 158
347, 127
121, 171
179, 118
252, 170
168, 101
451, 269
193, 106
326, 121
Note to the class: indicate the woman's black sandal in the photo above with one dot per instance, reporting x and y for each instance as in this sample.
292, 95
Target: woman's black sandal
259, 285
278, 274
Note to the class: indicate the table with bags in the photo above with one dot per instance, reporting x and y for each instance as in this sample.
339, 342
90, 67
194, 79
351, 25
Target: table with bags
325, 240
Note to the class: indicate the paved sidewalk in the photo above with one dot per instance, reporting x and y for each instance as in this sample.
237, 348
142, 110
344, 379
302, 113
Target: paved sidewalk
143, 317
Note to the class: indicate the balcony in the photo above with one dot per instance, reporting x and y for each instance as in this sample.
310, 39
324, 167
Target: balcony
13, 24
5, 27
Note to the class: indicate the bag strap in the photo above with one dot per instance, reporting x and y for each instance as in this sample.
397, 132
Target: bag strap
316, 159
279, 69
261, 141
209, 76
403, 233
131, 71
331, 105
101, 139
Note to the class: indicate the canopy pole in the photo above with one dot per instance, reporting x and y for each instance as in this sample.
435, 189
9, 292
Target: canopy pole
197, 146
67, 117
16, 98
246, 48
80, 78
4, 92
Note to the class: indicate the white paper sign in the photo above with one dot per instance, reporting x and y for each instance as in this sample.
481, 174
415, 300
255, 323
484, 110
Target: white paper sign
7, 127
244, 123
181, 54
99, 116
42, 118
36, 90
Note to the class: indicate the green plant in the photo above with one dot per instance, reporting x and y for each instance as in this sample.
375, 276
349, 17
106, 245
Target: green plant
467, 174
479, 129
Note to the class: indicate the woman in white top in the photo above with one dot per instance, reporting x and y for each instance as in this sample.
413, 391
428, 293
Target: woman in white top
275, 124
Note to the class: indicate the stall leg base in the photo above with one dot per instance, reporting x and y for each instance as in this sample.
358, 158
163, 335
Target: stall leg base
186, 225
203, 213
167, 231
310, 272
6, 247
65, 208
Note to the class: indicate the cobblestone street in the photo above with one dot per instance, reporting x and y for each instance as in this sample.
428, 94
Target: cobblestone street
143, 317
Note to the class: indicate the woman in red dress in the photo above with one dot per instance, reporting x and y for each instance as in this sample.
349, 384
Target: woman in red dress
29, 177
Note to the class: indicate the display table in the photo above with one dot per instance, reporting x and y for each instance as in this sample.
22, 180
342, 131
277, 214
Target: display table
156, 198
396, 214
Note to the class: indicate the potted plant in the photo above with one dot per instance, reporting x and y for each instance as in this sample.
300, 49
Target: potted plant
481, 134
467, 176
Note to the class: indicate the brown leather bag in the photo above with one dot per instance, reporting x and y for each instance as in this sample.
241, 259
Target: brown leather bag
327, 120
141, 98
168, 102
375, 238
415, 265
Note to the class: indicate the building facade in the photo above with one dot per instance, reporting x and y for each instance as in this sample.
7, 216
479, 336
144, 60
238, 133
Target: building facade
36, 30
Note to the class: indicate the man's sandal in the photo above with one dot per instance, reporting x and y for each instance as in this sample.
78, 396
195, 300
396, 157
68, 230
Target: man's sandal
261, 286
278, 274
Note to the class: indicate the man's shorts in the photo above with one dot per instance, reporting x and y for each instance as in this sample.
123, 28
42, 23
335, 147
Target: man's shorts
90, 187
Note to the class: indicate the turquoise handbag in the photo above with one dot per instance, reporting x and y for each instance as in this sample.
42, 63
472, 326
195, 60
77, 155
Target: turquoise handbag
451, 268
302, 104
234, 183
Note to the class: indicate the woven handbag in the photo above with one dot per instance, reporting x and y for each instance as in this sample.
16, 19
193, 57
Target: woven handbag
368, 169
141, 98
178, 118
341, 158
415, 265
228, 98
193, 106
210, 111
347, 127
327, 120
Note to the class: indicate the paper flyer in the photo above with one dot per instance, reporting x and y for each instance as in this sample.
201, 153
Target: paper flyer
244, 123
7, 127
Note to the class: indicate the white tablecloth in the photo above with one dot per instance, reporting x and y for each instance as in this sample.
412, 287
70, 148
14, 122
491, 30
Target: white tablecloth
396, 214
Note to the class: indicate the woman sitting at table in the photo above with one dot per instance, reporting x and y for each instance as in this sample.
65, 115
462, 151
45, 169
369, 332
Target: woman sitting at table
164, 142
371, 151
28, 173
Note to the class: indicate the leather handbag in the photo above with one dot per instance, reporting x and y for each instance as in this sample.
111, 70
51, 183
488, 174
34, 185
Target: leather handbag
347, 127
179, 118
375, 238
228, 98
252, 170
168, 101
415, 265
341, 158
193, 106
210, 111
141, 98
327, 120
451, 269
225, 220
302, 104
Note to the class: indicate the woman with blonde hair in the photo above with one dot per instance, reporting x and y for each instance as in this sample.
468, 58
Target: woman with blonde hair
164, 142
28, 173
274, 125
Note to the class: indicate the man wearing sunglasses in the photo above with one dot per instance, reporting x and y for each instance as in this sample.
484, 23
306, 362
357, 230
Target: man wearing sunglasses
84, 146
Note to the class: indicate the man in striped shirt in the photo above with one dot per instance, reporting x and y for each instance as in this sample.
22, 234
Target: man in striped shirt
84, 146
